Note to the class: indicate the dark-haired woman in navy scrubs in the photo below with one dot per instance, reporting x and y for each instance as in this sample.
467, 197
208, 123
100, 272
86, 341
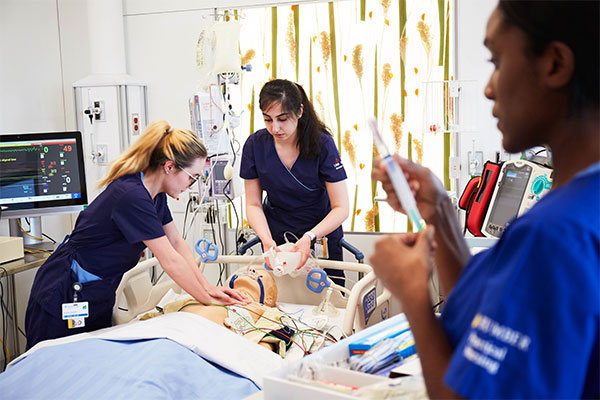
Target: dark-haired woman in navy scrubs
295, 161
110, 235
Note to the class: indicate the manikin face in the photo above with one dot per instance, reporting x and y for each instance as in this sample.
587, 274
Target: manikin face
177, 180
248, 284
280, 124
520, 102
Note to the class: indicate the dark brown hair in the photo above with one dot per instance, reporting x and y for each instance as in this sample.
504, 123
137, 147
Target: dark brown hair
292, 96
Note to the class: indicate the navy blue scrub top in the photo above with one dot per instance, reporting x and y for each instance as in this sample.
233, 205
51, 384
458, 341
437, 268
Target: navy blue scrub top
107, 241
524, 317
297, 198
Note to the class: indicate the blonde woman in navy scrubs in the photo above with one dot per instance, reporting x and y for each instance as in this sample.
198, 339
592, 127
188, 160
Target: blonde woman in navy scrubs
110, 235
295, 161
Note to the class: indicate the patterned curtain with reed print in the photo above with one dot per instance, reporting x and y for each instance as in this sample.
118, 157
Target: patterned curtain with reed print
357, 59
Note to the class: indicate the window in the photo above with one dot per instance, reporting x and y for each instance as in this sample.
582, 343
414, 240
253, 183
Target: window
355, 60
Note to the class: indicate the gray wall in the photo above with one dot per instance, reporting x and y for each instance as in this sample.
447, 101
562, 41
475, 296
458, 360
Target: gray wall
42, 47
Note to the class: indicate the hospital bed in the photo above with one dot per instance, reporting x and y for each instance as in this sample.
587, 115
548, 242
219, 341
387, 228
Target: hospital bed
139, 293
177, 355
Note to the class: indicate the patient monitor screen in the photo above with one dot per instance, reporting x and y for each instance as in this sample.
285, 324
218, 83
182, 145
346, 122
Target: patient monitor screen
510, 195
41, 171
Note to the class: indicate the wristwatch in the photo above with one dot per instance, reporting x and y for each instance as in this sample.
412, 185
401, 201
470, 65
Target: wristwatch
312, 236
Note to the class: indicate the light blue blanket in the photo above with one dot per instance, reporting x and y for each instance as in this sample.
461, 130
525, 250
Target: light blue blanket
105, 369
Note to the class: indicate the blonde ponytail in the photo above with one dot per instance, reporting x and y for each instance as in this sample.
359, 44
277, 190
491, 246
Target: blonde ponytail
158, 144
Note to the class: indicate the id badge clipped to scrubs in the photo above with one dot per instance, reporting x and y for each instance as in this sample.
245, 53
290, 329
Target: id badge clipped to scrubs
76, 312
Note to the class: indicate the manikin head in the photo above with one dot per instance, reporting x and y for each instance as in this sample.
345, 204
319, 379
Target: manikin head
256, 283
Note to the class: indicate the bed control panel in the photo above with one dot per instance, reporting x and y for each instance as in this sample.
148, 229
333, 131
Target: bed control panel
369, 303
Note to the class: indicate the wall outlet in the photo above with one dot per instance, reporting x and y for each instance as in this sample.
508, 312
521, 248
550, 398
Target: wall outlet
99, 110
194, 203
101, 154
475, 163
454, 168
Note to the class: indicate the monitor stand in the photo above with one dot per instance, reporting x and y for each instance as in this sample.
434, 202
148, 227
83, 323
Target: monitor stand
33, 238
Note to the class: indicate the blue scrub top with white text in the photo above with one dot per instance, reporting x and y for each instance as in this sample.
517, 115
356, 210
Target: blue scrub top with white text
524, 317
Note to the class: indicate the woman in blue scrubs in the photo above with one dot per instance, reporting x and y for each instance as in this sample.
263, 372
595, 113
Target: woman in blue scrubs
110, 235
295, 161
522, 319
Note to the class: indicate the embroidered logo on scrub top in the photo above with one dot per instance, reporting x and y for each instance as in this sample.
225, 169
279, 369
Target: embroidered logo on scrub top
338, 164
489, 354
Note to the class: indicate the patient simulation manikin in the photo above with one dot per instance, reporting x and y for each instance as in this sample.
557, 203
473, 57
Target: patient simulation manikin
252, 321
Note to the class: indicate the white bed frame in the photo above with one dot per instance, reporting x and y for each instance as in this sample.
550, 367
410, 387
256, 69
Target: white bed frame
136, 293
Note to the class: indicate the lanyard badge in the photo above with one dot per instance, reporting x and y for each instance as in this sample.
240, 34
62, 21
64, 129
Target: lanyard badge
75, 313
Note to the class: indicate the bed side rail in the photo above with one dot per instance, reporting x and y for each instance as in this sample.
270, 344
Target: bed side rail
355, 251
141, 295
137, 293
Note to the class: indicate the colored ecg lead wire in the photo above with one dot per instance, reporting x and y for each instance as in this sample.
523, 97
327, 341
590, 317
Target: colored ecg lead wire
254, 327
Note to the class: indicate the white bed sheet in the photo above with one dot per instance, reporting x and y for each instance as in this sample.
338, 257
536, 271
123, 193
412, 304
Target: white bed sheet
303, 313
205, 338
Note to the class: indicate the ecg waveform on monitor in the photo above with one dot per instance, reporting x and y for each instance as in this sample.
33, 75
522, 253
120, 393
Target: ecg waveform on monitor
16, 174
32, 149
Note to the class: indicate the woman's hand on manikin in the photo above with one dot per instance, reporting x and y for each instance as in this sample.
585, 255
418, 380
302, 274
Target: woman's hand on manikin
226, 296
302, 246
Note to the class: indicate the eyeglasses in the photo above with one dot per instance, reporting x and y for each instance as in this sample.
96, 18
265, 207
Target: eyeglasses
193, 179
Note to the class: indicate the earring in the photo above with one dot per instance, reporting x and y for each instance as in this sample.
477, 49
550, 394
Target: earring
166, 171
